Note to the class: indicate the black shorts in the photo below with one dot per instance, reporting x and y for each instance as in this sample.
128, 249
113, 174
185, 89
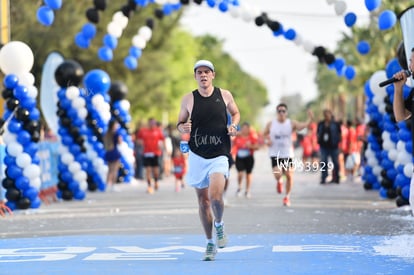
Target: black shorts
245, 164
151, 161
282, 163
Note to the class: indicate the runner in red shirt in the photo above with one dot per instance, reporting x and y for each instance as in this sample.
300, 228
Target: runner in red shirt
244, 145
152, 140
180, 167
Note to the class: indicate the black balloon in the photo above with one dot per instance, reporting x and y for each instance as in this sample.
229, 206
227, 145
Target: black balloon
400, 201
8, 183
391, 193
329, 58
150, 23
67, 195
62, 185
92, 15
185, 2
22, 114
7, 93
35, 136
159, 13
12, 103
118, 91
259, 21
127, 11
100, 4
273, 25
387, 183
132, 4
69, 73
13, 194
32, 126
367, 186
198, 1
23, 203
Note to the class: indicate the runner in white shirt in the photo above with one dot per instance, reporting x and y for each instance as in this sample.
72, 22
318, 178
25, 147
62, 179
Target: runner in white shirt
278, 136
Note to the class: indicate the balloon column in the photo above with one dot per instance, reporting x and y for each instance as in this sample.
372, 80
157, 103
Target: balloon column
21, 128
71, 113
97, 84
120, 111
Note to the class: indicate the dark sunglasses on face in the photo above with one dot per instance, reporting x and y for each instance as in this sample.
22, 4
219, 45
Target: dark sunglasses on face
281, 111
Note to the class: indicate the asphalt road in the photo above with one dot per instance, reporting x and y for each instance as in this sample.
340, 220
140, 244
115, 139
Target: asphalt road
324, 221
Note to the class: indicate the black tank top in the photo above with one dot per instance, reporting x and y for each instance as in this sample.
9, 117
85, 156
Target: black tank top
209, 137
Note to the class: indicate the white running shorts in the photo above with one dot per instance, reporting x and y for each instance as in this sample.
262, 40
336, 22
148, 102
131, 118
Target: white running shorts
200, 169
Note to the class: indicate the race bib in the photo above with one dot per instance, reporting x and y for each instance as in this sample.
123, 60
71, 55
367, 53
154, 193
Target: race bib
243, 153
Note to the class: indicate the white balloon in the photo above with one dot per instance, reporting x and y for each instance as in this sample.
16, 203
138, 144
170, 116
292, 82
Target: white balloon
80, 176
393, 154
32, 91
82, 113
330, 2
9, 137
298, 39
67, 158
400, 146
125, 105
340, 7
372, 161
31, 171
78, 103
14, 148
145, 32
23, 160
403, 157
16, 57
374, 82
114, 29
120, 19
97, 100
408, 169
36, 183
139, 41
381, 107
377, 170
62, 149
386, 135
26, 79
308, 46
161, 2
74, 167
234, 11
72, 92
246, 12
83, 185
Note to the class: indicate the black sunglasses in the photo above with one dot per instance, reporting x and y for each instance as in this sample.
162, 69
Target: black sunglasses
281, 111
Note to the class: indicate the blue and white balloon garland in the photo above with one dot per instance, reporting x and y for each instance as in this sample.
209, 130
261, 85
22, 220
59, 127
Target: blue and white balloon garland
73, 163
97, 84
120, 111
22, 129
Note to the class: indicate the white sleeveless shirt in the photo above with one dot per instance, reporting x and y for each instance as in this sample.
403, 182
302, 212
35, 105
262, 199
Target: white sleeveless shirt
281, 137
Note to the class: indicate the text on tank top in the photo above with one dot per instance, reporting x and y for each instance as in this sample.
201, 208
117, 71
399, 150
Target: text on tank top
281, 136
209, 137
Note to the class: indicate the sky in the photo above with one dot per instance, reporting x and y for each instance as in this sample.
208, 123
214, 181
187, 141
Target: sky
284, 67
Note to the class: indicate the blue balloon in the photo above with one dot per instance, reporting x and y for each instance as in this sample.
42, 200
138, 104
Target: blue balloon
30, 193
135, 52
81, 41
89, 31
23, 137
35, 203
28, 103
110, 41
141, 3
392, 173
350, 19
386, 20
105, 54
404, 135
405, 192
401, 180
368, 91
54, 4
350, 72
12, 205
31, 148
22, 182
339, 63
9, 160
14, 171
406, 91
20, 92
45, 15
79, 195
10, 81
290, 34
278, 31
131, 62
409, 146
223, 6
211, 3
167, 9
372, 4
14, 126
392, 67
97, 81
383, 193
363, 47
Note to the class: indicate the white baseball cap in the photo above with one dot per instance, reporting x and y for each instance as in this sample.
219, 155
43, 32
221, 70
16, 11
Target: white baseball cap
205, 63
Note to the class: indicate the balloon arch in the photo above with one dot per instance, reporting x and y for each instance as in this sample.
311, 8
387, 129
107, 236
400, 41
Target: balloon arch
82, 113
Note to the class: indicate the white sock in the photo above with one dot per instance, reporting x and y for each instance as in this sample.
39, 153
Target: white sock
210, 241
217, 224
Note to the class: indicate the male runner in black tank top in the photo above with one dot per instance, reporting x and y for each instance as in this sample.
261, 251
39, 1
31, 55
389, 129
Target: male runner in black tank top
203, 114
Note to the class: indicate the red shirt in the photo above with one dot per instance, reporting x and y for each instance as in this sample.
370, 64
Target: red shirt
151, 138
307, 145
240, 143
179, 165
